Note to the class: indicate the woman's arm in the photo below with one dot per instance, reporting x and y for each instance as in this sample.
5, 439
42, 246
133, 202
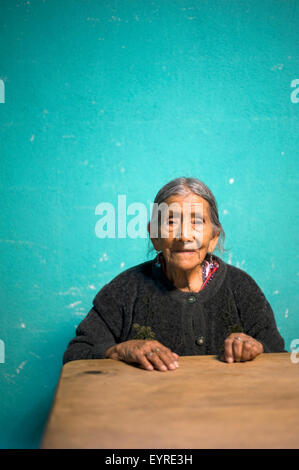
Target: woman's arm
103, 332
101, 328
259, 333
256, 314
93, 338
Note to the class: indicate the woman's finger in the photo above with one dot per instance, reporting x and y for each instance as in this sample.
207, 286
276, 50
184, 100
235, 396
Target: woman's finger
162, 359
237, 348
241, 347
228, 349
148, 354
247, 351
163, 356
156, 361
142, 359
169, 358
251, 349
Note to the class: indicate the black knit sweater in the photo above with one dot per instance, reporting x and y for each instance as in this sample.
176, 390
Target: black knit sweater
142, 303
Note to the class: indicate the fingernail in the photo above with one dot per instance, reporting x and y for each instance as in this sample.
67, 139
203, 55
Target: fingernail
176, 363
163, 368
230, 359
172, 365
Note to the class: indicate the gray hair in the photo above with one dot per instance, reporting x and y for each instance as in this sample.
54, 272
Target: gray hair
184, 186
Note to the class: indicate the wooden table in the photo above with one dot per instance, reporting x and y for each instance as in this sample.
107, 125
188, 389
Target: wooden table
205, 403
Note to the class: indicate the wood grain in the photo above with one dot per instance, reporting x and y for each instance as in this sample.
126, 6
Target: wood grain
205, 403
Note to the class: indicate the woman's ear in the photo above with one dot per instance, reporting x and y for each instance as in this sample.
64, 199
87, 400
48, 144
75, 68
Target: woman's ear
213, 243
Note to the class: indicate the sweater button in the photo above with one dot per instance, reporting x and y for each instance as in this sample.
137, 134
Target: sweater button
200, 340
191, 299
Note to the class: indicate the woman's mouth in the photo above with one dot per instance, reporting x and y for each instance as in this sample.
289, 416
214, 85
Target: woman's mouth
184, 252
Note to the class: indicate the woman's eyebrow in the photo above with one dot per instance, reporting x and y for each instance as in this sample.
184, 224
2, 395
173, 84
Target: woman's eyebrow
193, 215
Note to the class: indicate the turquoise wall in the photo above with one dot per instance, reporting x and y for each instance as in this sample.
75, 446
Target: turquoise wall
101, 98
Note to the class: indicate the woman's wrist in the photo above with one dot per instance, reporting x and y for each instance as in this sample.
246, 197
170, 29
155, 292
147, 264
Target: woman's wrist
111, 353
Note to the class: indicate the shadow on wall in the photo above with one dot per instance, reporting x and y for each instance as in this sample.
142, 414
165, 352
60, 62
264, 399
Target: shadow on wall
32, 390
34, 421
25, 431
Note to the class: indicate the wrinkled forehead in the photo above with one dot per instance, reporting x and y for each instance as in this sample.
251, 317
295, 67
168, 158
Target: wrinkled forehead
190, 205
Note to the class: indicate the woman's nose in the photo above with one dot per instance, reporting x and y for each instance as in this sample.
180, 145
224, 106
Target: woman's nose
186, 232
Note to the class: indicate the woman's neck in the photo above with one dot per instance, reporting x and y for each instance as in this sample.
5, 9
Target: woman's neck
186, 281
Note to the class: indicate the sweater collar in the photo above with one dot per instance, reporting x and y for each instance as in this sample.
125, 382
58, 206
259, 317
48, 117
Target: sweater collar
209, 290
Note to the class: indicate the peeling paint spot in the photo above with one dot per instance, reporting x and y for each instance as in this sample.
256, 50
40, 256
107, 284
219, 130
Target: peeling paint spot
286, 313
277, 67
93, 19
35, 355
122, 264
74, 304
22, 325
231, 181
9, 378
21, 242
276, 292
70, 291
32, 138
21, 366
240, 264
103, 258
91, 286
225, 211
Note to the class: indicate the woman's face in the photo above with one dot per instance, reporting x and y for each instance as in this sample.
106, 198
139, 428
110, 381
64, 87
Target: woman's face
186, 232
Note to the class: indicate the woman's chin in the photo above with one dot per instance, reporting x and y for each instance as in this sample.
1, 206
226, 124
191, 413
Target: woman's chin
187, 260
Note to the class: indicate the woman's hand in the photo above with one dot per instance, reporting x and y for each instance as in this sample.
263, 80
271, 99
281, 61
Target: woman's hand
150, 354
239, 347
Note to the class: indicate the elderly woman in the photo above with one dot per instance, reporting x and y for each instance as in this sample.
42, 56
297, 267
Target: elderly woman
184, 302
